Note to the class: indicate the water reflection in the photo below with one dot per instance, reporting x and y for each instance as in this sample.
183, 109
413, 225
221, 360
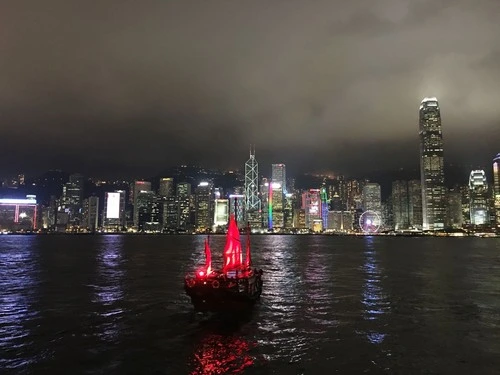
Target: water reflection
108, 291
223, 349
18, 284
374, 300
283, 301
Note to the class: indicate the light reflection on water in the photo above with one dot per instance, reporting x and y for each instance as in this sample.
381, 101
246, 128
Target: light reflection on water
104, 304
373, 299
18, 293
108, 289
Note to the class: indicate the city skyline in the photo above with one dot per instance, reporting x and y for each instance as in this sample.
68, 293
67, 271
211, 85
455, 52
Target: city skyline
161, 84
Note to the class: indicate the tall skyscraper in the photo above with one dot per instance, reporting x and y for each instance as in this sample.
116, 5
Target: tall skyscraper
204, 206
432, 165
252, 183
496, 188
252, 200
478, 198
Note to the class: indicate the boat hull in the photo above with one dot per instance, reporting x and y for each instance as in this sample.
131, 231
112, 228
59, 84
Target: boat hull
221, 294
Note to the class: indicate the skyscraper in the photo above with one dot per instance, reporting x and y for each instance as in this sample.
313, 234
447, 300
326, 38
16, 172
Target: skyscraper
478, 198
252, 200
278, 175
496, 188
432, 165
166, 188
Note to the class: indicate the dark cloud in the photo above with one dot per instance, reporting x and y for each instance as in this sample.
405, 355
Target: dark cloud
137, 86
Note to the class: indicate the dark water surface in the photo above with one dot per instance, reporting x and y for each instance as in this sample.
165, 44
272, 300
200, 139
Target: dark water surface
115, 305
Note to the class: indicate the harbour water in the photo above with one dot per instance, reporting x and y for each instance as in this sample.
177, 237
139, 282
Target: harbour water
115, 305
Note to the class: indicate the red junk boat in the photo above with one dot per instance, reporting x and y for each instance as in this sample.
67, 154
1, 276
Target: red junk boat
237, 286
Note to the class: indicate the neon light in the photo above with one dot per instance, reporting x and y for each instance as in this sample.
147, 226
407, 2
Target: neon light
34, 219
270, 209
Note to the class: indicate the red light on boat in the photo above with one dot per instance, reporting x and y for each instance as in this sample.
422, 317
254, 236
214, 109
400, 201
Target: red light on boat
201, 273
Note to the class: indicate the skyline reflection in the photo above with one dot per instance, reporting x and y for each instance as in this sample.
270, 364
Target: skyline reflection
373, 298
108, 291
19, 269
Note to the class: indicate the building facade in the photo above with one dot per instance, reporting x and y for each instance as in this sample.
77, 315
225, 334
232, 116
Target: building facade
432, 165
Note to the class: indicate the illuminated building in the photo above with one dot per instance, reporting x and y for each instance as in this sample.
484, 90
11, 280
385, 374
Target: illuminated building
90, 213
72, 196
496, 189
166, 188
340, 221
299, 218
278, 175
148, 210
478, 195
407, 205
454, 216
372, 197
276, 205
237, 208
204, 206
325, 202
114, 211
183, 194
138, 187
170, 212
288, 211
264, 193
18, 214
252, 200
311, 203
431, 165
221, 213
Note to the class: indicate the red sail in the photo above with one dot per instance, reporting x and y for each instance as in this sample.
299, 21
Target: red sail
232, 250
208, 258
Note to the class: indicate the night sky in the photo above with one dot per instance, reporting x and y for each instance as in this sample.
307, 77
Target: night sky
129, 88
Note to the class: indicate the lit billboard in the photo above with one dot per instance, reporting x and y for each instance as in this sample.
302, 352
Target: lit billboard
113, 206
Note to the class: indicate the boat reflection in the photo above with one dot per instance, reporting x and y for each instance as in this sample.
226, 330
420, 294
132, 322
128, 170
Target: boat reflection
108, 290
223, 349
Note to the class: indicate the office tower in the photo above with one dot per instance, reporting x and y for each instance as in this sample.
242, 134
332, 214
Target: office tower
183, 194
496, 189
278, 175
91, 213
454, 215
170, 213
166, 188
237, 208
371, 197
221, 213
288, 211
72, 198
311, 203
276, 205
139, 186
183, 189
478, 198
431, 165
204, 206
407, 205
113, 218
147, 209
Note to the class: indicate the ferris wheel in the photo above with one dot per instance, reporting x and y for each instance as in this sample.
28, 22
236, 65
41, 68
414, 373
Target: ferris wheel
370, 222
